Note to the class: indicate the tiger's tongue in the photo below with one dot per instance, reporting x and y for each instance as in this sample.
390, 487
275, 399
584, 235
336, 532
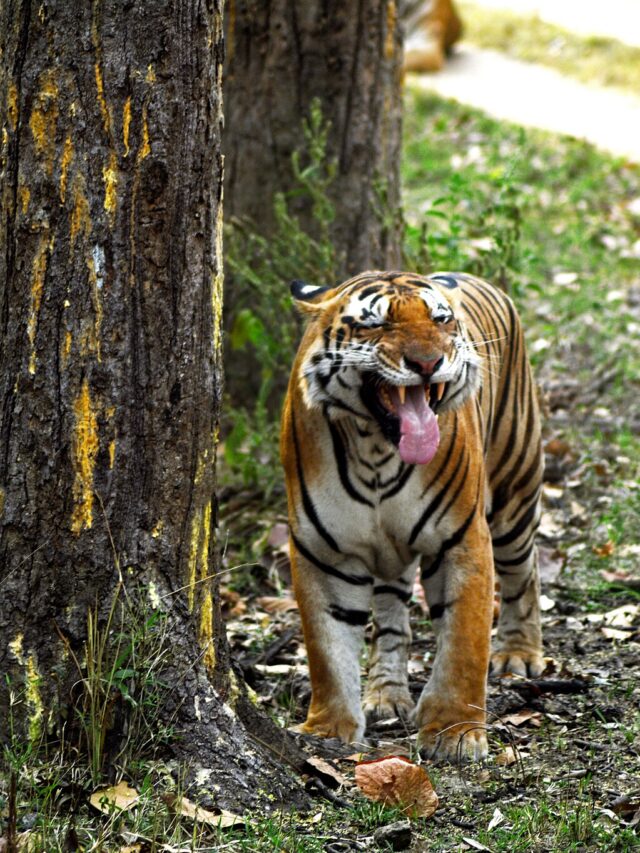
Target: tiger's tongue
419, 433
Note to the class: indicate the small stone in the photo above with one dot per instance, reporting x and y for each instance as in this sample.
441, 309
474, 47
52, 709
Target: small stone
396, 836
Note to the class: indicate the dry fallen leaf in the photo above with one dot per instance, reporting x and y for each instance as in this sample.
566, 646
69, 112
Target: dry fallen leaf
615, 634
418, 595
121, 796
396, 781
622, 617
184, 807
274, 604
534, 718
605, 550
550, 564
471, 842
326, 771
557, 447
621, 577
506, 757
496, 819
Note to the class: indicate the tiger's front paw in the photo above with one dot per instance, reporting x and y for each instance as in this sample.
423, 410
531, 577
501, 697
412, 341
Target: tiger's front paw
519, 661
325, 723
454, 742
387, 702
451, 730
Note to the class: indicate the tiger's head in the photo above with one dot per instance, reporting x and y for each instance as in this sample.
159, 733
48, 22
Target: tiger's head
389, 348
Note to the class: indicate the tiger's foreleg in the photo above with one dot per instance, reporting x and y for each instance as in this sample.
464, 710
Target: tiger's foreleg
387, 692
458, 584
334, 607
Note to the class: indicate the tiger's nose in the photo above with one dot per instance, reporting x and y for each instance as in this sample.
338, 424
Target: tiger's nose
422, 367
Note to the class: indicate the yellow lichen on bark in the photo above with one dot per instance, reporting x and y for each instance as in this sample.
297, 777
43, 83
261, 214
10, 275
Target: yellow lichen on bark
206, 608
198, 564
389, 42
44, 119
206, 632
192, 565
126, 124
85, 444
112, 453
39, 271
66, 347
34, 700
67, 156
80, 215
24, 193
150, 77
217, 284
102, 101
12, 106
145, 147
110, 178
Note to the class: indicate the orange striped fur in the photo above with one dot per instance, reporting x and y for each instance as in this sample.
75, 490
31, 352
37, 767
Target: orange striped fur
379, 486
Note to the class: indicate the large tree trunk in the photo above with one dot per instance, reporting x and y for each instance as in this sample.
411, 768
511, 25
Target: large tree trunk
281, 55
110, 308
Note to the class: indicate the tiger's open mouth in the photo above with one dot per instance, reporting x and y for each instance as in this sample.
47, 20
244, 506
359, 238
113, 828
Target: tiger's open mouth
407, 415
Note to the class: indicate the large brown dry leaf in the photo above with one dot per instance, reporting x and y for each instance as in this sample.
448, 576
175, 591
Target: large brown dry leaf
121, 796
396, 781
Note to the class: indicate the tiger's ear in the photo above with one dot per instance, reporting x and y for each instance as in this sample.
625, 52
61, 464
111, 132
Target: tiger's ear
308, 296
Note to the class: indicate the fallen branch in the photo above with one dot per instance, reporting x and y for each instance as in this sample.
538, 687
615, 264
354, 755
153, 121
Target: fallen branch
540, 686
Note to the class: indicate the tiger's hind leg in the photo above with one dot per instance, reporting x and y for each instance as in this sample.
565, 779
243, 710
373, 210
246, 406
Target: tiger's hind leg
334, 607
387, 693
518, 645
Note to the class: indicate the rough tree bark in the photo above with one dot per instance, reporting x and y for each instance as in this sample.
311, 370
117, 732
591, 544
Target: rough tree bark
282, 54
110, 308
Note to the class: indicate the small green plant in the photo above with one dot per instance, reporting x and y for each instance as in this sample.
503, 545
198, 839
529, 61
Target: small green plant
474, 227
119, 691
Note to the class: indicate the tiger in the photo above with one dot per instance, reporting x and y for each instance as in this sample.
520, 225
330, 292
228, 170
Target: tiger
432, 28
411, 443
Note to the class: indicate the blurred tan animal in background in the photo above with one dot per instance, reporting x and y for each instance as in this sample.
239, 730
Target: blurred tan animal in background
432, 28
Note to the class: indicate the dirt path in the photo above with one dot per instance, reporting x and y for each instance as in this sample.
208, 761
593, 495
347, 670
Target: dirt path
534, 96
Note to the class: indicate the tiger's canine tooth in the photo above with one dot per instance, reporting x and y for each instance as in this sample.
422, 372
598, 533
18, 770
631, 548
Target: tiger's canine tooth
402, 393
440, 390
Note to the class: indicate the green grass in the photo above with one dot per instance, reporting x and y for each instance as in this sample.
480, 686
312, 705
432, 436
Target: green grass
590, 59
